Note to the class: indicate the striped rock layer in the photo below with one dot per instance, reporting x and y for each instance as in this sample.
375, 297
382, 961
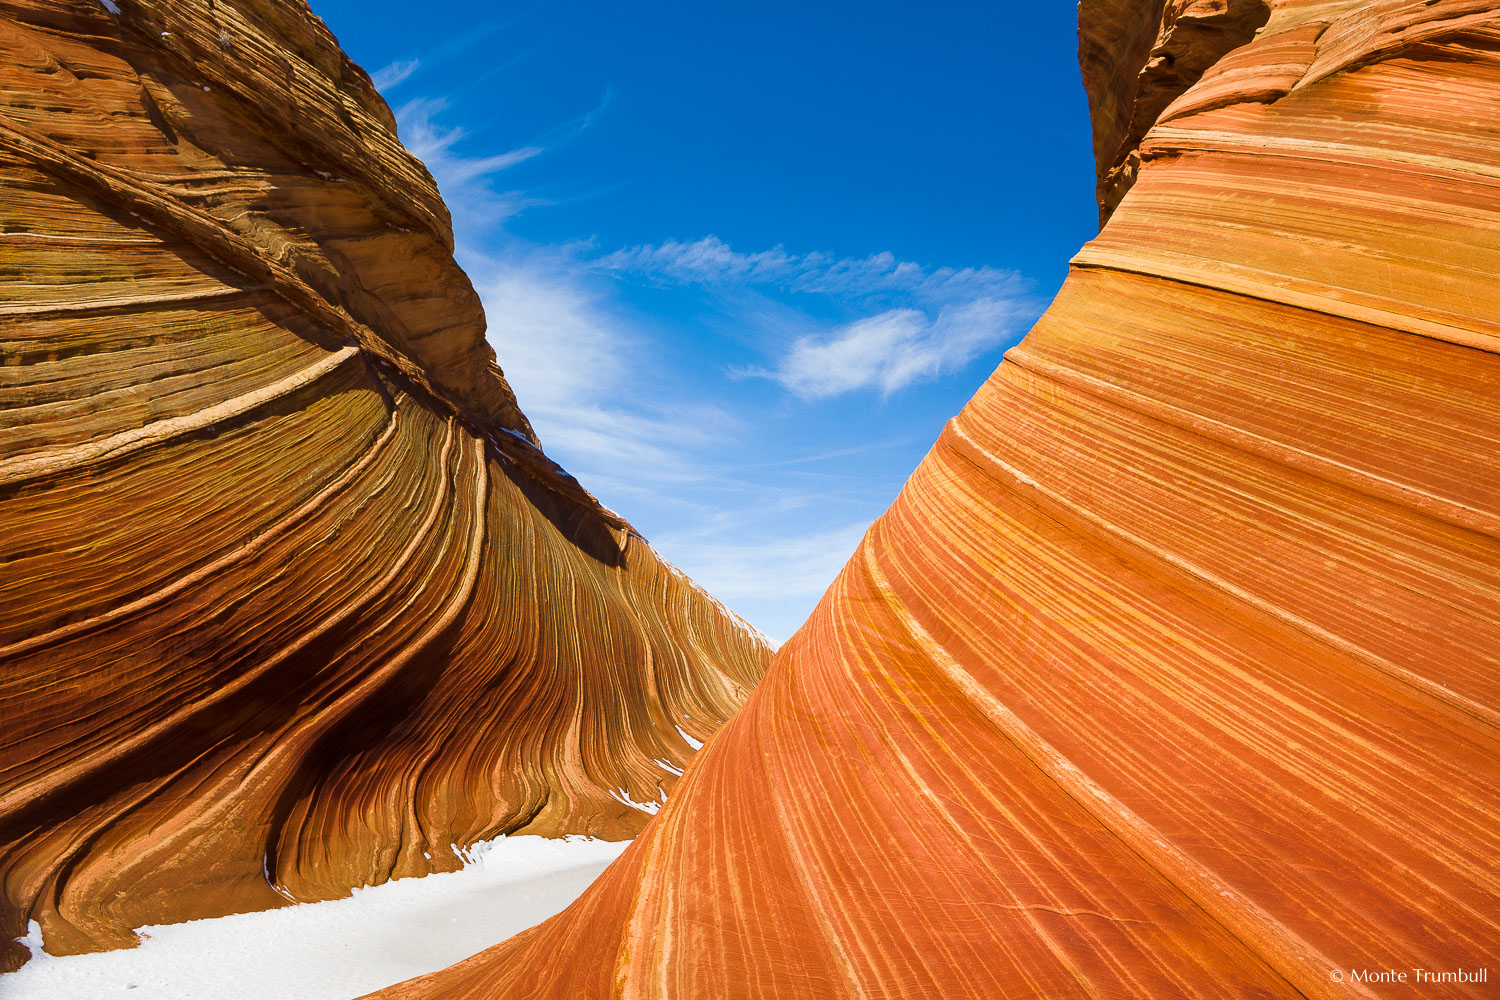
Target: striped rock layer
1174, 671
290, 599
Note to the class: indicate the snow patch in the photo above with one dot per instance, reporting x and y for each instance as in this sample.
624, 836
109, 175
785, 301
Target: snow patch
667, 764
695, 744
343, 948
621, 795
276, 887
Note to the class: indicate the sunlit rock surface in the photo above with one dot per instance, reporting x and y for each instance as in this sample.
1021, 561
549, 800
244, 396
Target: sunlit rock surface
1136, 57
290, 600
1174, 671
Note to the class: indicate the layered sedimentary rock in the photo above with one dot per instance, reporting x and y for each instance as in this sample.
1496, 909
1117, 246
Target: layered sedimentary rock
1174, 671
1136, 58
290, 599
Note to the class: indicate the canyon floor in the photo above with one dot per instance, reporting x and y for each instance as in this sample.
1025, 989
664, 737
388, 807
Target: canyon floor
334, 950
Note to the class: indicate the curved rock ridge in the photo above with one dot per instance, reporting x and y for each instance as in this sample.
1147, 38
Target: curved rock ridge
1137, 58
1174, 670
290, 599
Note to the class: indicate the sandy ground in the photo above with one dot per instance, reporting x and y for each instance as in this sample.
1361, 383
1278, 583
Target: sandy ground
336, 950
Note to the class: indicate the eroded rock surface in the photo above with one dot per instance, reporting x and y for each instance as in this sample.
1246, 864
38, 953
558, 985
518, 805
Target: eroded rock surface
290, 599
1137, 58
1174, 671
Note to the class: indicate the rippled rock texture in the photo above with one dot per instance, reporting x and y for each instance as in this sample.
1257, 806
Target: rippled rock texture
1174, 670
290, 600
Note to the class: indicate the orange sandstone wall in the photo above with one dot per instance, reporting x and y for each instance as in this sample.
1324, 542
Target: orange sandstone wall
1174, 671
1136, 57
290, 599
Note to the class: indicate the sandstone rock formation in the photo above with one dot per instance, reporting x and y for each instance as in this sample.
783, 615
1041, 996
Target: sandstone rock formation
290, 598
1174, 671
1137, 57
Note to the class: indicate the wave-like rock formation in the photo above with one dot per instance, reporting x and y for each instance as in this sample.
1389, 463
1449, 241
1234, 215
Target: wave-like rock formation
1174, 671
290, 599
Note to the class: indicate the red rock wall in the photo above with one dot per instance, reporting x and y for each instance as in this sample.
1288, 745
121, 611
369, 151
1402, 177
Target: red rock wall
1136, 58
1174, 671
290, 600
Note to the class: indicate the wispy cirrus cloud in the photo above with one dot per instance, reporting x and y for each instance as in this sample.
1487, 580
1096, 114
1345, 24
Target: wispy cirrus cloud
934, 320
712, 262
572, 357
389, 77
667, 439
433, 145
576, 367
801, 564
466, 182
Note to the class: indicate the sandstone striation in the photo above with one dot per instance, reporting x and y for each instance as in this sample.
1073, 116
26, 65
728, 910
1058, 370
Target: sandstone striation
1136, 58
1174, 671
290, 598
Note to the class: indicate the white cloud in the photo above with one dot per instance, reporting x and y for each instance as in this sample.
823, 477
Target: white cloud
463, 180
578, 373
592, 375
931, 321
433, 145
584, 376
390, 76
579, 370
558, 344
778, 568
710, 261
893, 349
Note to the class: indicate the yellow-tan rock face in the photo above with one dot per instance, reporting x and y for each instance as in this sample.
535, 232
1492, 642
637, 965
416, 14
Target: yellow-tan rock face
1174, 671
290, 599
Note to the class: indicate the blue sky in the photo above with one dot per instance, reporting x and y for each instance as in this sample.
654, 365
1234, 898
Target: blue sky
742, 261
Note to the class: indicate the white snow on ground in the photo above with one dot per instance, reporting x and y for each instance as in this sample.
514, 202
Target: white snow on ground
337, 950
